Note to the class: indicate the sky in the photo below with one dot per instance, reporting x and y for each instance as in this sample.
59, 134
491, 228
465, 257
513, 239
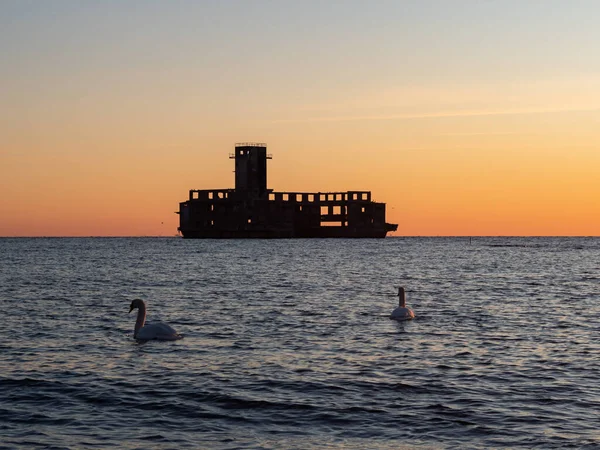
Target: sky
466, 118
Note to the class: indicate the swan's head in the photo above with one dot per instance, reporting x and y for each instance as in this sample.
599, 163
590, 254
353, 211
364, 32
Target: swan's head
137, 303
400, 291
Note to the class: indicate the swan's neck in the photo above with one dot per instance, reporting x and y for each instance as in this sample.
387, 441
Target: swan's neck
401, 298
141, 319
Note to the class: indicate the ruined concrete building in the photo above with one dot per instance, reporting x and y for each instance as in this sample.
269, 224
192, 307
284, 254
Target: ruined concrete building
253, 211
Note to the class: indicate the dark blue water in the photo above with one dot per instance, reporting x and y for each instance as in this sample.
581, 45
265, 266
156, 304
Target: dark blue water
288, 343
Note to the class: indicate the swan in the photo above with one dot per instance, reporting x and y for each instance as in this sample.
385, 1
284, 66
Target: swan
158, 331
402, 312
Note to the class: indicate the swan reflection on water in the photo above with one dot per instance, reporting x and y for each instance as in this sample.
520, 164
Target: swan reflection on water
153, 331
402, 312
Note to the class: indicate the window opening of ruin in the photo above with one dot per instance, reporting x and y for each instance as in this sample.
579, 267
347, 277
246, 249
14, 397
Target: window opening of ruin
331, 224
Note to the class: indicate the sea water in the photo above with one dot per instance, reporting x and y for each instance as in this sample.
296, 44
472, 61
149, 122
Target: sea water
288, 343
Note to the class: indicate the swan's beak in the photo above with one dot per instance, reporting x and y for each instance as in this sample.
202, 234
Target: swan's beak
130, 308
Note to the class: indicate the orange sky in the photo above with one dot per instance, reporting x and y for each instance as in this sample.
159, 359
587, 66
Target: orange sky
110, 114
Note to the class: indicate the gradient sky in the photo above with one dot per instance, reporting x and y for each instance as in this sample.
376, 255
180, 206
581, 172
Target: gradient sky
465, 117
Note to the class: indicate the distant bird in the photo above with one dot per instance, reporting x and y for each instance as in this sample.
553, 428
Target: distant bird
157, 331
402, 312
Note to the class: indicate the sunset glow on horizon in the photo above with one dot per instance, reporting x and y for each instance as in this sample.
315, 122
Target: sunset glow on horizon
466, 118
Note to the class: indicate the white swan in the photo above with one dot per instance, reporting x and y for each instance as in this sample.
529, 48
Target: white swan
402, 312
158, 331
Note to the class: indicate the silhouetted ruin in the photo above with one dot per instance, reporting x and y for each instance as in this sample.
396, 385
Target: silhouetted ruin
253, 211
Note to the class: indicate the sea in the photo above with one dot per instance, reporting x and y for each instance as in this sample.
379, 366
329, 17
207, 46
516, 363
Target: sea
288, 343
